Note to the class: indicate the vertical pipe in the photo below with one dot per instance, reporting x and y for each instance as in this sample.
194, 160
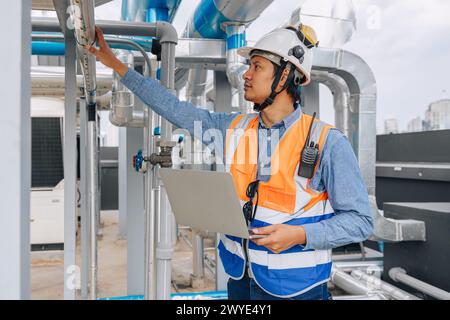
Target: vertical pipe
197, 280
84, 205
83, 18
150, 212
70, 143
236, 66
93, 183
164, 248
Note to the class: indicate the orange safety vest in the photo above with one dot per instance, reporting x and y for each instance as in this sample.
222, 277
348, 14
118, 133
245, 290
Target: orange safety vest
285, 199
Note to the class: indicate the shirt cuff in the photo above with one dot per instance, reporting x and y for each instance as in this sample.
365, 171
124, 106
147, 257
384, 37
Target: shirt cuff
132, 79
315, 236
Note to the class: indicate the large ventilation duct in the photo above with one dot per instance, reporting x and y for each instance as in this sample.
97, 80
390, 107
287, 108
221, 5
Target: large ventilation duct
210, 20
334, 21
341, 98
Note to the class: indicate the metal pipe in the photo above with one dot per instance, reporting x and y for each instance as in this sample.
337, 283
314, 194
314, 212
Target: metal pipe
400, 275
363, 96
164, 250
382, 286
161, 30
92, 202
348, 283
51, 44
236, 65
122, 113
195, 91
341, 97
55, 38
133, 10
208, 21
150, 216
50, 81
198, 265
369, 267
84, 23
374, 296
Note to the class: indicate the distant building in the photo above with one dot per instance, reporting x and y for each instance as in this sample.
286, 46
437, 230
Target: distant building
437, 116
391, 126
415, 125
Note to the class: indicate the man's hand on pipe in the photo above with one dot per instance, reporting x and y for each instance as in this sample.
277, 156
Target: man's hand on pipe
105, 55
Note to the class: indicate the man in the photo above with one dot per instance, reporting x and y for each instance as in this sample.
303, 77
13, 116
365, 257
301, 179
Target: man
303, 195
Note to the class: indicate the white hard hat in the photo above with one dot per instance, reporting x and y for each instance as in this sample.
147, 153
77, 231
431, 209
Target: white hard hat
290, 44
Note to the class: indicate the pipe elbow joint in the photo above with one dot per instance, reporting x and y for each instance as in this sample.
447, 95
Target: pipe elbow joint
166, 32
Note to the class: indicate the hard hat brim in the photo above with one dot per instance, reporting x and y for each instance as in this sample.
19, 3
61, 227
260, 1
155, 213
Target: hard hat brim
245, 53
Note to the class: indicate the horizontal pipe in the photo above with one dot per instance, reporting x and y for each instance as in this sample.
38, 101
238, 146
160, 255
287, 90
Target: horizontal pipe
348, 283
45, 48
210, 16
365, 298
164, 31
53, 84
53, 44
400, 275
366, 266
380, 285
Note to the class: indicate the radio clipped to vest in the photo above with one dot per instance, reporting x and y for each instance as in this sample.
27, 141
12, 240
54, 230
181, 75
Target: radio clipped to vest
309, 156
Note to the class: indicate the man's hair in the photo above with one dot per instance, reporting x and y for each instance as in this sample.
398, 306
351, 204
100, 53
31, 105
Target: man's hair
292, 89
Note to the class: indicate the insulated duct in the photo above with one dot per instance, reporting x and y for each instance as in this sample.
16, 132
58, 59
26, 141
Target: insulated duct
334, 21
236, 65
123, 113
210, 19
341, 98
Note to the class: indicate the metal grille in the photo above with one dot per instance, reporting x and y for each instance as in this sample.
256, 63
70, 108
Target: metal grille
47, 154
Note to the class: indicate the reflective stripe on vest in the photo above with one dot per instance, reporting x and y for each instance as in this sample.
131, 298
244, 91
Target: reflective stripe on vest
285, 199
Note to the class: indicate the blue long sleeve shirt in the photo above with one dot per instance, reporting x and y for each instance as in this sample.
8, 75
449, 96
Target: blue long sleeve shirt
338, 171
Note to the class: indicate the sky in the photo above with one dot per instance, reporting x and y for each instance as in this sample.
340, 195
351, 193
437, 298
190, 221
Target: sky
405, 42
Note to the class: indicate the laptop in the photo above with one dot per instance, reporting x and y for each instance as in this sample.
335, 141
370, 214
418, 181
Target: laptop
206, 200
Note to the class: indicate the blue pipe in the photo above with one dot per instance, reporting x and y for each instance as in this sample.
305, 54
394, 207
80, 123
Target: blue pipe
207, 21
212, 295
45, 48
236, 41
157, 14
55, 48
138, 10
211, 15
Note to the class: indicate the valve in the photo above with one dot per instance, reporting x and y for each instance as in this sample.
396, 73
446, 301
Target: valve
164, 157
138, 161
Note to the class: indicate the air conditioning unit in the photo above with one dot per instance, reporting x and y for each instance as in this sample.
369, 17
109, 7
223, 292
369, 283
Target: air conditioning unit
47, 184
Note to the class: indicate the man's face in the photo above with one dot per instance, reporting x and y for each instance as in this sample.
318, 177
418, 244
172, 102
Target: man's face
258, 80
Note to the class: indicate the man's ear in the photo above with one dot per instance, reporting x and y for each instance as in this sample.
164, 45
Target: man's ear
284, 78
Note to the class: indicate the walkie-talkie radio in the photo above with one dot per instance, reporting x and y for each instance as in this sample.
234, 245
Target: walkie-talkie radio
310, 155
